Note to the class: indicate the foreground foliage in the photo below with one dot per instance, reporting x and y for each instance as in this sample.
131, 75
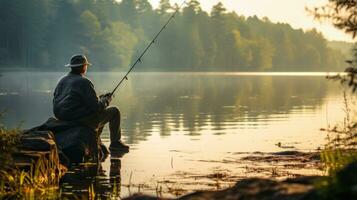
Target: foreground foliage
341, 150
340, 157
8, 142
342, 146
42, 179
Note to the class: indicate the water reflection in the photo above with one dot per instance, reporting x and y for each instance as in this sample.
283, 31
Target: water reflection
173, 121
194, 104
90, 181
168, 102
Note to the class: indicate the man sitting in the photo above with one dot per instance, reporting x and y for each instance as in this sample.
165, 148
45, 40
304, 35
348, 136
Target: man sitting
76, 100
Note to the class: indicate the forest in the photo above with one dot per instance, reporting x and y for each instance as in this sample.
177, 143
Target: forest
44, 34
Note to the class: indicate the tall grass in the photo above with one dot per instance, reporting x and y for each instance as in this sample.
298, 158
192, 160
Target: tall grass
341, 148
17, 183
340, 151
42, 179
9, 138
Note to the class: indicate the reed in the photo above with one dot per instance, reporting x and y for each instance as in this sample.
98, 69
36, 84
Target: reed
9, 138
341, 148
42, 179
340, 151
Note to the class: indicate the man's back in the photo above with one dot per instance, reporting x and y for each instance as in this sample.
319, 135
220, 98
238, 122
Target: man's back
75, 98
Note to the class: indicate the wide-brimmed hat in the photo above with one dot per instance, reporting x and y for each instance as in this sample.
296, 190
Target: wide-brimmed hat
78, 61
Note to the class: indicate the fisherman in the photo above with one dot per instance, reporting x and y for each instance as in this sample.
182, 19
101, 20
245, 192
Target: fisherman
76, 100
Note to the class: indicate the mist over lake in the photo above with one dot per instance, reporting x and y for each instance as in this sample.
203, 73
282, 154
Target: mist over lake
188, 118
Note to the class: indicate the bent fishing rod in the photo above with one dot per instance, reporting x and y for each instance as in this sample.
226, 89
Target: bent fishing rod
147, 48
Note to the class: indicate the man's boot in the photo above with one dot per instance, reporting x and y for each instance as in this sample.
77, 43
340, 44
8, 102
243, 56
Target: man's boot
118, 146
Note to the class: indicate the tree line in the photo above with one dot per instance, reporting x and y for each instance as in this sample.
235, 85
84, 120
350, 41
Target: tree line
44, 34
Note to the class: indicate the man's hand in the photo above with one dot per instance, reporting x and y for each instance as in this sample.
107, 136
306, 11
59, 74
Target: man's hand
105, 95
106, 99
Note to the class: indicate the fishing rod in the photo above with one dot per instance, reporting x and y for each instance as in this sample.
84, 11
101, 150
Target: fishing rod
146, 49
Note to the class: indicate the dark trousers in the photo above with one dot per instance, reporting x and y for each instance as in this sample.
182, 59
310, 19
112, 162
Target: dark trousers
109, 114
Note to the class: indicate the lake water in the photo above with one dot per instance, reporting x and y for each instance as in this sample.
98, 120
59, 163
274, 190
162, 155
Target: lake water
183, 127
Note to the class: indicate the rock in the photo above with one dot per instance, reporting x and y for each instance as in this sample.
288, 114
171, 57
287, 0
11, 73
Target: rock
304, 180
288, 153
143, 197
78, 144
252, 189
64, 160
284, 156
37, 150
348, 176
255, 189
25, 159
36, 140
75, 142
58, 141
344, 184
38, 133
36, 144
63, 143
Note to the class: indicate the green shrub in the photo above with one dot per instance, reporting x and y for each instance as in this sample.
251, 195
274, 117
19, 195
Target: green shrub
8, 140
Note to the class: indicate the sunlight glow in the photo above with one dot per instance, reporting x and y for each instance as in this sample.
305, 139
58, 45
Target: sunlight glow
292, 12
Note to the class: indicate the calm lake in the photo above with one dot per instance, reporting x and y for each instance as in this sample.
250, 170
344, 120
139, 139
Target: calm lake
184, 127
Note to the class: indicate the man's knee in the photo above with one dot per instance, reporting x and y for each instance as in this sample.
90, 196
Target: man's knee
115, 111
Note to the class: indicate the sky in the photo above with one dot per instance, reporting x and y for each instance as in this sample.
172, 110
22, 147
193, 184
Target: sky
289, 11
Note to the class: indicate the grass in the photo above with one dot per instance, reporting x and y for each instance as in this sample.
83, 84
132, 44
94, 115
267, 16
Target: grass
341, 148
9, 138
41, 180
340, 151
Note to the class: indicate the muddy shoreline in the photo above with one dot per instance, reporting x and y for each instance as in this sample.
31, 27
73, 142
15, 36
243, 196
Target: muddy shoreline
291, 170
341, 185
279, 171
301, 188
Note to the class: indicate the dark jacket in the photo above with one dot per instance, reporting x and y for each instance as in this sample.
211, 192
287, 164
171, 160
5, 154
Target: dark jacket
75, 98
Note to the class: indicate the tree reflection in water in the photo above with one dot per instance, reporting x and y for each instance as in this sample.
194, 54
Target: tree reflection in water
189, 103
169, 104
196, 104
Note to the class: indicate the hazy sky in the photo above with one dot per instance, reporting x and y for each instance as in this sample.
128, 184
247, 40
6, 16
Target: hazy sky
290, 11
